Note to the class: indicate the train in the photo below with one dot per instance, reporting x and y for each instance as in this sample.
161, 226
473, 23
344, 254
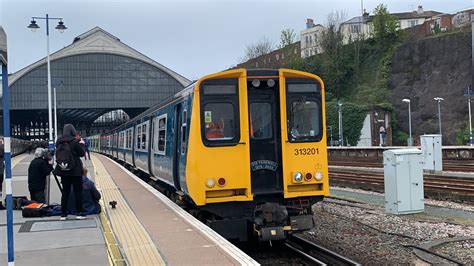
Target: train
18, 146
245, 149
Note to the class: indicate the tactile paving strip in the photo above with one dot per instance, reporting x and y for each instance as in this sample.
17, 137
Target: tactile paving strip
135, 242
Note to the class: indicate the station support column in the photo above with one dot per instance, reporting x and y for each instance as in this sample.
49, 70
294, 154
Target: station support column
7, 145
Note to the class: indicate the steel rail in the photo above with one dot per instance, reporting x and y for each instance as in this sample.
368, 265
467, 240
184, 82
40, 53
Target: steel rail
316, 253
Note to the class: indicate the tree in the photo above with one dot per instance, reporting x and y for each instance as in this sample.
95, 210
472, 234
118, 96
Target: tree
261, 47
385, 26
287, 37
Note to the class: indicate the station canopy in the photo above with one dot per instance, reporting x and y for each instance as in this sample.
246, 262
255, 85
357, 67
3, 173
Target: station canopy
94, 75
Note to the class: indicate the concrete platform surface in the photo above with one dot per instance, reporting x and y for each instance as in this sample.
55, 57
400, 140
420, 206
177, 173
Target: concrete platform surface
47, 241
179, 238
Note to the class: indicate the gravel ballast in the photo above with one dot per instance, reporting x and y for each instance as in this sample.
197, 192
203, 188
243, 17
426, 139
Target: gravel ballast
365, 233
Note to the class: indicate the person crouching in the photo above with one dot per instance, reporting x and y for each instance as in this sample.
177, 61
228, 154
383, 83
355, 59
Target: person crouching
90, 196
38, 171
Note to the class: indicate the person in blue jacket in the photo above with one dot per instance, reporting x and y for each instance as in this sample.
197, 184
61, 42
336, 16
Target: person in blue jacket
90, 197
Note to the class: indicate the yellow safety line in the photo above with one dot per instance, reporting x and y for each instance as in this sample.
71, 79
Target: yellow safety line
136, 243
114, 253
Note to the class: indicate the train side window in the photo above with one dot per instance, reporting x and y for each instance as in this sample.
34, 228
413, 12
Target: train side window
144, 137
183, 132
162, 135
139, 136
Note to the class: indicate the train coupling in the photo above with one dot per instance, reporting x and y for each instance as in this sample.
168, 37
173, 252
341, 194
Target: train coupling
270, 220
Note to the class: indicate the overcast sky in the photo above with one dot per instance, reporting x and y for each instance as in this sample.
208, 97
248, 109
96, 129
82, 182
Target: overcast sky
193, 37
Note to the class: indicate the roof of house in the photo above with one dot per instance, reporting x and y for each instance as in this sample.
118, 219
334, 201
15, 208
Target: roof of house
403, 15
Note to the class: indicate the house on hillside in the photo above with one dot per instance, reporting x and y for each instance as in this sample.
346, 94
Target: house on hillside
310, 39
361, 27
275, 59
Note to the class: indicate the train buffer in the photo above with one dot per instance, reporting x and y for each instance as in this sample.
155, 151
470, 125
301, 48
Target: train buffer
144, 228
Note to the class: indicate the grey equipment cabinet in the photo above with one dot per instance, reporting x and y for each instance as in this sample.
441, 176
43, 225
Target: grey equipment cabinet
431, 148
403, 176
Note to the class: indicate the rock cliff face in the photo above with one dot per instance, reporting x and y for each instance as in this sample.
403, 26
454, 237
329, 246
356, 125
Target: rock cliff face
429, 68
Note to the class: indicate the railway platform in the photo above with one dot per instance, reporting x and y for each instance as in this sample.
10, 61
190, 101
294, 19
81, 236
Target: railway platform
144, 228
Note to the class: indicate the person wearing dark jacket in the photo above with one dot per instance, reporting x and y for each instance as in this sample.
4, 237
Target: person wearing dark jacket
70, 177
38, 171
90, 197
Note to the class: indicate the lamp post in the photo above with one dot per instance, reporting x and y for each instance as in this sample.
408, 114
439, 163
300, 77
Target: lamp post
470, 117
60, 27
410, 139
439, 99
341, 132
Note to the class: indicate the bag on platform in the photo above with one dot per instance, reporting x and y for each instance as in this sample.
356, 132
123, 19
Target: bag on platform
34, 209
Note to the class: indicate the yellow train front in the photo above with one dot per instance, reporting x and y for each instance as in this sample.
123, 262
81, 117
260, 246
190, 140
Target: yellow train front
256, 156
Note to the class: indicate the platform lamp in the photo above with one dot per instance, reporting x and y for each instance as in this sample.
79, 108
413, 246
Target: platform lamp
60, 27
410, 139
439, 99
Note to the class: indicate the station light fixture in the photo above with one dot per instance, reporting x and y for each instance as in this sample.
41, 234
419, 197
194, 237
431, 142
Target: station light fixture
61, 27
33, 26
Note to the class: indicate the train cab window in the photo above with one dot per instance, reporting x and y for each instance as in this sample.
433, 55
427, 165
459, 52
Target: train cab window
260, 120
219, 121
220, 112
304, 110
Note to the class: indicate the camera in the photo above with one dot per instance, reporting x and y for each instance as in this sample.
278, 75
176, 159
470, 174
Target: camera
46, 155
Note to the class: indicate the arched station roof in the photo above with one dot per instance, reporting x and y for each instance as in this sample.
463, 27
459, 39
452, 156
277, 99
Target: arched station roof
97, 73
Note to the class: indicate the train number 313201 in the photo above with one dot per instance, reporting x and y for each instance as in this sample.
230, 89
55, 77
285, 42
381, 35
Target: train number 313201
306, 151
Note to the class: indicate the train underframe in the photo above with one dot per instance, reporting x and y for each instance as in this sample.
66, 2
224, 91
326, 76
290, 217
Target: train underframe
267, 218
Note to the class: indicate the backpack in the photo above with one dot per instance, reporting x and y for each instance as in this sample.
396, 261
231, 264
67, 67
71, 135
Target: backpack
34, 209
64, 158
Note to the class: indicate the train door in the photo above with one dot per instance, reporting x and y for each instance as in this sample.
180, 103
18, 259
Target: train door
265, 139
177, 159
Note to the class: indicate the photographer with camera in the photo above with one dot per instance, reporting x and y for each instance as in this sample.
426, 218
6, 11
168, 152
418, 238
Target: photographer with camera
38, 171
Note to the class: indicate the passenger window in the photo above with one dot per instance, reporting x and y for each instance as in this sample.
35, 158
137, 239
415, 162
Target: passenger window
162, 135
261, 120
219, 121
183, 133
144, 137
139, 136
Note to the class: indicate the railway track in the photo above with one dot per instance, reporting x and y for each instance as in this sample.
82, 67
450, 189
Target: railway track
461, 188
313, 254
448, 164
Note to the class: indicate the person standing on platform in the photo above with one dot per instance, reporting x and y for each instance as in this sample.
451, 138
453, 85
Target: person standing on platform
38, 171
69, 167
2, 171
86, 144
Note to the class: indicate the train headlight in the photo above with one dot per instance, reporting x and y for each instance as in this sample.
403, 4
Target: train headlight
297, 177
318, 176
256, 83
210, 182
